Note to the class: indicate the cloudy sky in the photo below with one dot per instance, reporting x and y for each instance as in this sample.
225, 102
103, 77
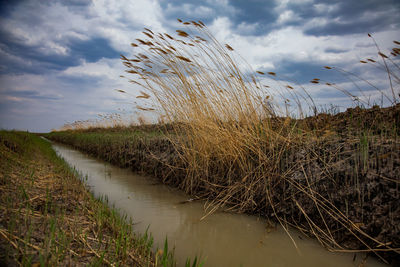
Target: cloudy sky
59, 60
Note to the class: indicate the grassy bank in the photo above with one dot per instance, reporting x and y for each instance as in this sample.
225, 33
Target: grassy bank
48, 217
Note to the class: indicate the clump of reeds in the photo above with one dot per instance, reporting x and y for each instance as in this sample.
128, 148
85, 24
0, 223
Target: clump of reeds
239, 145
112, 120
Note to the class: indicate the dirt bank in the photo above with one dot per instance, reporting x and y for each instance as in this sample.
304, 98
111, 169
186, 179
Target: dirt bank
342, 187
48, 217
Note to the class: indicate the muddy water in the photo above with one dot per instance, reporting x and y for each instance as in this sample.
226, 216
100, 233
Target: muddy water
222, 239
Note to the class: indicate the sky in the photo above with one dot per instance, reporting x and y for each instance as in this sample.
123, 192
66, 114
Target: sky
60, 60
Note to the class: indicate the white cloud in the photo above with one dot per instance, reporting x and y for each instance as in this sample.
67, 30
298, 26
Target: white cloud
221, 28
247, 28
281, 5
122, 21
325, 8
287, 16
293, 45
194, 11
218, 2
103, 68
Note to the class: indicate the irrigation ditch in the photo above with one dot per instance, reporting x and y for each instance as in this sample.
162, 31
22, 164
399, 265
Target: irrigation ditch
341, 188
48, 216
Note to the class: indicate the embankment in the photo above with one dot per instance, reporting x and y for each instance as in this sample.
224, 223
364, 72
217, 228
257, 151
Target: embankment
49, 218
342, 187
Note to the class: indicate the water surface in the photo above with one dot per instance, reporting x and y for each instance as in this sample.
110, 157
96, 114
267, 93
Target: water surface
223, 239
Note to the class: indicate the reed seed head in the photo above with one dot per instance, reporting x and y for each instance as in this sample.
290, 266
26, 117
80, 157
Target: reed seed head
131, 71
228, 47
382, 55
182, 33
148, 34
149, 30
184, 58
144, 95
141, 41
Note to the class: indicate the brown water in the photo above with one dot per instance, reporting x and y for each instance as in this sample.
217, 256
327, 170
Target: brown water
222, 239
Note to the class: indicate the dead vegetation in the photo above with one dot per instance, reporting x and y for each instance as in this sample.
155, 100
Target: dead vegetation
239, 143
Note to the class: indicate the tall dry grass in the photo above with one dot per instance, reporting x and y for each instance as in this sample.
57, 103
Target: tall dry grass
107, 121
238, 143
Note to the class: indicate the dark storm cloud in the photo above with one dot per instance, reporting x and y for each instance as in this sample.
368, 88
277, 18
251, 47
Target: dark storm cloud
258, 12
92, 50
78, 3
351, 26
19, 55
303, 72
343, 17
240, 12
6, 6
349, 17
31, 94
335, 50
34, 60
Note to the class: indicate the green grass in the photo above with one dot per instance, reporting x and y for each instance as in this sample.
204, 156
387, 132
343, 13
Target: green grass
49, 218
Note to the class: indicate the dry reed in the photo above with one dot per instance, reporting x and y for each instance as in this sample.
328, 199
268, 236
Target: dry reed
234, 141
239, 145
